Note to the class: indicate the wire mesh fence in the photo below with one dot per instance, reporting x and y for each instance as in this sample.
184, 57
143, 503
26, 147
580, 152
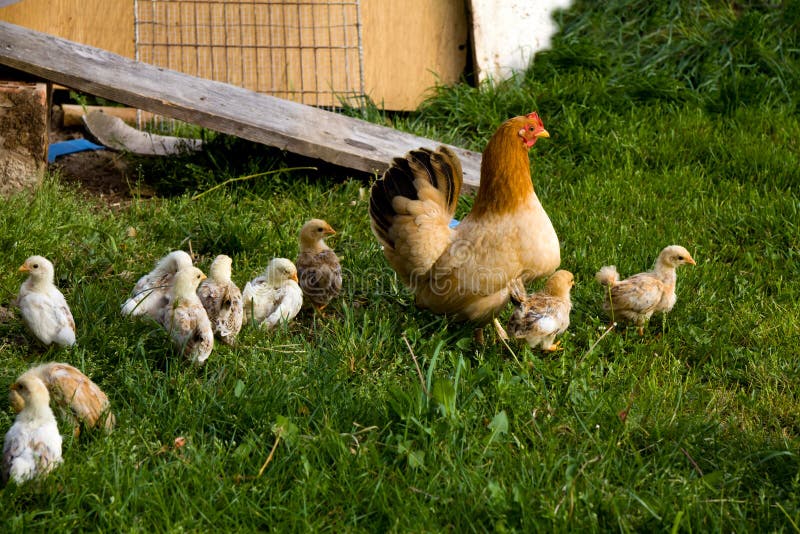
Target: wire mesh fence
308, 51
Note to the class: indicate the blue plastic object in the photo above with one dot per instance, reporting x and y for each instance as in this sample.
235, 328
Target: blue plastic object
63, 148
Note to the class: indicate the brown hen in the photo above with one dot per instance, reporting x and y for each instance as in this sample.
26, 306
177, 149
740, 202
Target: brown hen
466, 270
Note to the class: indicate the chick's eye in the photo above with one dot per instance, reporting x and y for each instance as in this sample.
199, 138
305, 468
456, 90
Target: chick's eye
35, 266
680, 258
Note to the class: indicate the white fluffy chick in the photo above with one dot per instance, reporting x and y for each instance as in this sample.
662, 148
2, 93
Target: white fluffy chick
185, 319
43, 307
318, 269
222, 300
542, 316
275, 296
32, 445
637, 298
151, 291
75, 396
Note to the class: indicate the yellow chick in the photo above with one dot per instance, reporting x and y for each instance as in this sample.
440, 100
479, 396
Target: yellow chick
43, 307
152, 290
222, 300
637, 298
274, 296
32, 445
185, 319
542, 316
318, 270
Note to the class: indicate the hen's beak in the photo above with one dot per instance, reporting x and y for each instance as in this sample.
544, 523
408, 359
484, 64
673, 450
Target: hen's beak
542, 133
23, 268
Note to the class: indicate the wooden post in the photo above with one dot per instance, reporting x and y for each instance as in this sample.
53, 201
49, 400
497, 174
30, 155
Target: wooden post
24, 123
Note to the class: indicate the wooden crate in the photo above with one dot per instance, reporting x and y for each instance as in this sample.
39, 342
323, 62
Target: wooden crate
406, 47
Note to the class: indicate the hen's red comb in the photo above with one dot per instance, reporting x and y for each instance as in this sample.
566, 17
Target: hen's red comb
535, 116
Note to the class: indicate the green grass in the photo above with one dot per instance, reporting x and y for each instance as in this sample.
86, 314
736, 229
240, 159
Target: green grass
671, 122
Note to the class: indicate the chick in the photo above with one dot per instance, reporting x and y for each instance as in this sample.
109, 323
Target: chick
275, 296
222, 300
318, 268
43, 307
152, 290
74, 394
32, 445
542, 316
637, 298
185, 319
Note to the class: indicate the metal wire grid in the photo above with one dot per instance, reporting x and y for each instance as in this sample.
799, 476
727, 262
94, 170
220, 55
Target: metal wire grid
308, 51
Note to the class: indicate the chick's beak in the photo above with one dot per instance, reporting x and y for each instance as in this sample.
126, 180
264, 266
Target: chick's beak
691, 260
329, 231
294, 277
23, 268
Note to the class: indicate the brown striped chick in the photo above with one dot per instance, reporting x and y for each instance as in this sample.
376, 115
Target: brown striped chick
273, 297
185, 319
637, 298
32, 445
75, 396
222, 300
152, 290
43, 307
319, 272
542, 316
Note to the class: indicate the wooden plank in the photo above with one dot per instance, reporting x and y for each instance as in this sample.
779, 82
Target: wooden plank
298, 128
106, 24
410, 46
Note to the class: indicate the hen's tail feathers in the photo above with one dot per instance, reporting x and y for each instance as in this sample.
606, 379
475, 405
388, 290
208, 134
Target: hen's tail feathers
441, 168
607, 276
517, 291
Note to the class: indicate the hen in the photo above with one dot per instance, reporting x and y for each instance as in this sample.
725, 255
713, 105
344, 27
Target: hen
32, 445
275, 296
637, 298
151, 290
184, 317
319, 272
43, 307
466, 270
541, 317
76, 396
222, 300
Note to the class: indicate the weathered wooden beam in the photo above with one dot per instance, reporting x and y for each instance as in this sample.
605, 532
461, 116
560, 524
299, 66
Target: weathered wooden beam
287, 125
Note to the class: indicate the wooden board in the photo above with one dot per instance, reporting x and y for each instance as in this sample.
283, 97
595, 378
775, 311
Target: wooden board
312, 132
